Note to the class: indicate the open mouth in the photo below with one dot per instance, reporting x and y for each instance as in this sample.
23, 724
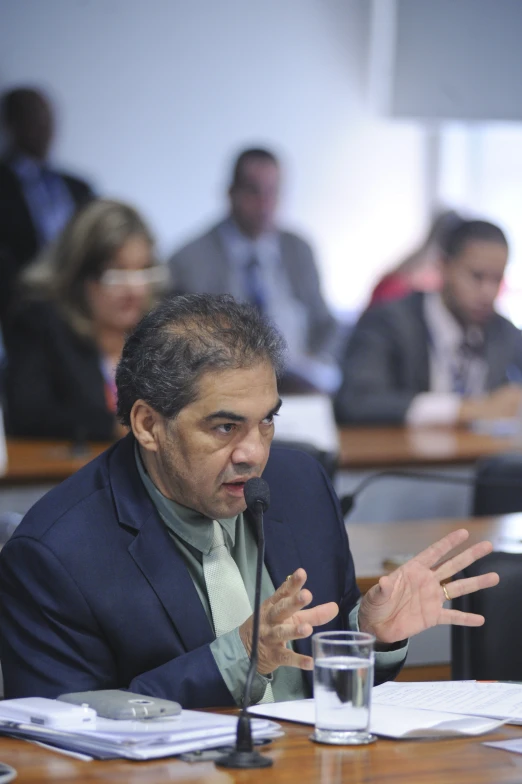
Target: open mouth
235, 488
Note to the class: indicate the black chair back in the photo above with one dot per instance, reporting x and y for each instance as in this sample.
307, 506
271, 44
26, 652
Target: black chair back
498, 485
491, 651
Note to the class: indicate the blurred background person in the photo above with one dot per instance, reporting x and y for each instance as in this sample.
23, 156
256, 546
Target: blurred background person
35, 200
420, 270
440, 358
67, 329
249, 256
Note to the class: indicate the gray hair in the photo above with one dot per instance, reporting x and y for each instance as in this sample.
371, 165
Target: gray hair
182, 338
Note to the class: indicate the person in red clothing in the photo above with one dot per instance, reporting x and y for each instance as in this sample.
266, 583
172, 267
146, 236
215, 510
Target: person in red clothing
419, 270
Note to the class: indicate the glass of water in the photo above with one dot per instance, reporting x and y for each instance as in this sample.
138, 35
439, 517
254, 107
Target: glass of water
343, 680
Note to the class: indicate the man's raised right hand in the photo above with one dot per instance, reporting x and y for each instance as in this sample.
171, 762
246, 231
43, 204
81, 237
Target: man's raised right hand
283, 619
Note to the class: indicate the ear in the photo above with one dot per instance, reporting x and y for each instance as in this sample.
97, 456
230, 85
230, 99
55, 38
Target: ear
146, 425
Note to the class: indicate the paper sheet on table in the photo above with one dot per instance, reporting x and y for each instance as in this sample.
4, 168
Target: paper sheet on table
308, 418
514, 746
140, 740
497, 700
388, 721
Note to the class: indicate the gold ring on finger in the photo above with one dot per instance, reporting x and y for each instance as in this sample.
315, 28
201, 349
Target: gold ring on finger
446, 594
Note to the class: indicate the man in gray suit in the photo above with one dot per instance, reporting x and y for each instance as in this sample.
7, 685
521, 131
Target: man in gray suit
248, 256
441, 358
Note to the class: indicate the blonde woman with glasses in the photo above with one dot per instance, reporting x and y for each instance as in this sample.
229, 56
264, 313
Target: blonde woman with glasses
65, 335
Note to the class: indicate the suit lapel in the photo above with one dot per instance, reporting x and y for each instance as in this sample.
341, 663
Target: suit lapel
153, 550
417, 338
222, 268
497, 354
164, 568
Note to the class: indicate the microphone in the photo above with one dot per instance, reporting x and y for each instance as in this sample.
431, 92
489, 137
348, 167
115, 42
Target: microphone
347, 501
257, 494
257, 497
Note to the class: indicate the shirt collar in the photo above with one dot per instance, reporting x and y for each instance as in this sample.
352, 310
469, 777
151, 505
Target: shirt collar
26, 168
189, 525
242, 248
445, 331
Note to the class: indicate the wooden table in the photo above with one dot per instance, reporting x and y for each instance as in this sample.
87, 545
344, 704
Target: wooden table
392, 447
372, 543
30, 462
296, 761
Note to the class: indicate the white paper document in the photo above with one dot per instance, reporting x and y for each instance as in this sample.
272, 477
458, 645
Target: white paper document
141, 740
496, 700
514, 746
308, 418
389, 721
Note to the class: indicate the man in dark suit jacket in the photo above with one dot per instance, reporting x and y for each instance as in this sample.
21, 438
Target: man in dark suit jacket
249, 256
105, 585
35, 200
439, 358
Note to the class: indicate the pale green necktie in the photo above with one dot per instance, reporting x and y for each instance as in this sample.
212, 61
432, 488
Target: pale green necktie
226, 590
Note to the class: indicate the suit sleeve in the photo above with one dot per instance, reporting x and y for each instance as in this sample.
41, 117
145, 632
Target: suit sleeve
44, 396
324, 331
370, 392
52, 643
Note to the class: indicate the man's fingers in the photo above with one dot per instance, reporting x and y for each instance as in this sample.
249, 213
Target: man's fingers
288, 606
285, 657
462, 560
458, 618
301, 624
438, 550
317, 616
291, 586
471, 584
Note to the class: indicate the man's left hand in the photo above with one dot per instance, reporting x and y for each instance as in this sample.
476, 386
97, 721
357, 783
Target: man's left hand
410, 599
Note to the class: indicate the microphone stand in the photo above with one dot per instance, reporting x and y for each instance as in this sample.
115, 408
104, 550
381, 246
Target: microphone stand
244, 755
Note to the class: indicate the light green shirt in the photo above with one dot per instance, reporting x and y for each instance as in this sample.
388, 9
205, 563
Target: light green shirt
192, 533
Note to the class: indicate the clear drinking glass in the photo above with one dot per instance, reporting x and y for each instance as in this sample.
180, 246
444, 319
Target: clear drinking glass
343, 680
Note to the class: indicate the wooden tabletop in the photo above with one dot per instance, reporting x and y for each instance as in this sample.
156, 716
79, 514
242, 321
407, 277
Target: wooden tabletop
296, 761
30, 462
390, 447
374, 543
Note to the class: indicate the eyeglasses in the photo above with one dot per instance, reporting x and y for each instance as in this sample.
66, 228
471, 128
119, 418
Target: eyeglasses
158, 275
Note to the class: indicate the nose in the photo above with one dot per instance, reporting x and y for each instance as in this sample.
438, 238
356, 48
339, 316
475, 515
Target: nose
251, 450
489, 291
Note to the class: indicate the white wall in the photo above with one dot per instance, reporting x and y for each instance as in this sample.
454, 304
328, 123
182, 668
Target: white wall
156, 96
458, 59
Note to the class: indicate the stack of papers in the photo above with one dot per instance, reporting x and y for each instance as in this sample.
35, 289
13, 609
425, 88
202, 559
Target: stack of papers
391, 721
143, 740
475, 698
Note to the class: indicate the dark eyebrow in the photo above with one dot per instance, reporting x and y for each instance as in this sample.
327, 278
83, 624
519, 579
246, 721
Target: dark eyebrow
225, 415
231, 416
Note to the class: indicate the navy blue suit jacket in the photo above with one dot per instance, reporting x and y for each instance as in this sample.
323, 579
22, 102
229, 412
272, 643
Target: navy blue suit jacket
95, 594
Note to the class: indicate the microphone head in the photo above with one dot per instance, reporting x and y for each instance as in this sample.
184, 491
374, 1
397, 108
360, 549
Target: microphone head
257, 492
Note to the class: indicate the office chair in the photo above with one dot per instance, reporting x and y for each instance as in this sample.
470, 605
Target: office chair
492, 651
491, 496
328, 460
